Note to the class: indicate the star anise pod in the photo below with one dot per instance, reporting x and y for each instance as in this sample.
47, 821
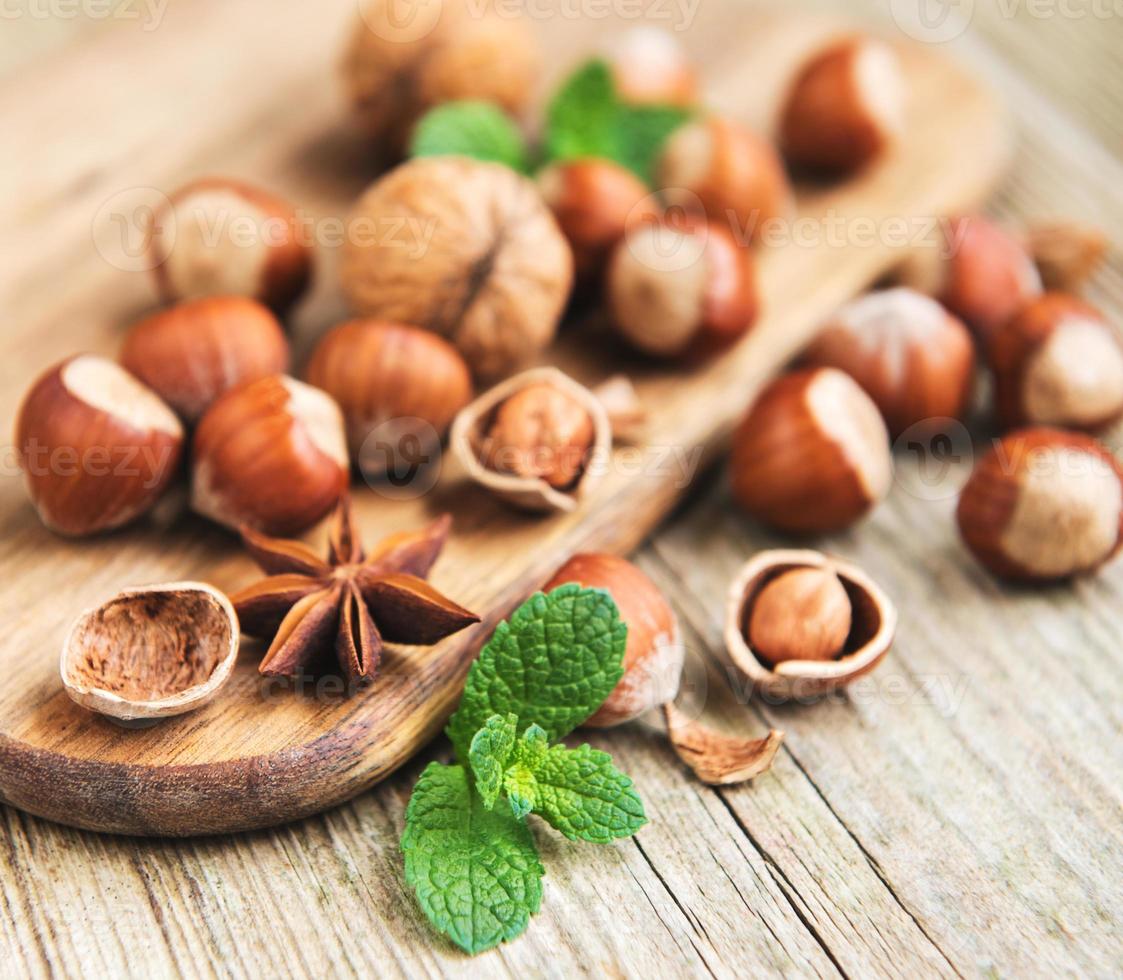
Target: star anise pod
351, 602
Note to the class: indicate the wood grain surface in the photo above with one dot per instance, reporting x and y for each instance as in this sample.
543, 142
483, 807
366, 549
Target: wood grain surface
958, 817
262, 753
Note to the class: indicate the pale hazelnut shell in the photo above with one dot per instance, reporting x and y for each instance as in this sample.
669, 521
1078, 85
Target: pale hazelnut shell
110, 676
873, 615
530, 493
650, 67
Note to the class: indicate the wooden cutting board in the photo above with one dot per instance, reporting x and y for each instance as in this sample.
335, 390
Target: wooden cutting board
263, 753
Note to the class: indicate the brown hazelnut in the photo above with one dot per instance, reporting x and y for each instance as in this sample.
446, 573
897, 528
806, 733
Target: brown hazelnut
1043, 504
728, 172
846, 106
402, 62
812, 454
1057, 362
977, 270
96, 446
650, 67
538, 440
192, 353
682, 291
595, 203
809, 602
151, 652
653, 656
913, 358
388, 374
222, 237
270, 455
464, 248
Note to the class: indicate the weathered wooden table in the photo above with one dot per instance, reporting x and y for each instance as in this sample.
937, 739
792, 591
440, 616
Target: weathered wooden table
957, 813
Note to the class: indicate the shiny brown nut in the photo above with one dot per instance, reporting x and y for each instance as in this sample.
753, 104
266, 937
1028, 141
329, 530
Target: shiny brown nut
194, 351
97, 447
223, 237
270, 455
803, 614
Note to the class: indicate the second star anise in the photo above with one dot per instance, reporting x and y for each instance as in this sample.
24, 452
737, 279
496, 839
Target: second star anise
350, 603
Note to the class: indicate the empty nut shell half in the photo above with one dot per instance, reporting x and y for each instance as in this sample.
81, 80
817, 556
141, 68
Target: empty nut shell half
151, 652
469, 440
873, 621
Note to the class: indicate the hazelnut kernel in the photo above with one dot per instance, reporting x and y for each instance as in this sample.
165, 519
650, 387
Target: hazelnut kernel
802, 614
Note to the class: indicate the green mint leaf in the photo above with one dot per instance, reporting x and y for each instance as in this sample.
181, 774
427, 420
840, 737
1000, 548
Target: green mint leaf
581, 117
521, 788
531, 747
488, 754
472, 129
641, 132
476, 871
552, 664
582, 794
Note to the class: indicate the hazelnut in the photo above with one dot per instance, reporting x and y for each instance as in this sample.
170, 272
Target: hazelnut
812, 454
151, 652
682, 291
978, 271
221, 237
595, 203
96, 446
1043, 504
388, 374
728, 172
653, 656
650, 67
401, 63
477, 257
270, 454
845, 108
799, 623
1066, 254
1057, 362
534, 440
192, 353
913, 358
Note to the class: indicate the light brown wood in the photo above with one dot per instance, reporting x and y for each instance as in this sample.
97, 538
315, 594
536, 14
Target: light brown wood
261, 754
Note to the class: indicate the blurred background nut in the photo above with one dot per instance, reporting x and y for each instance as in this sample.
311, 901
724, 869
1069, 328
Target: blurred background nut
403, 59
193, 352
1057, 362
96, 446
1043, 504
384, 373
486, 265
845, 108
812, 454
653, 657
650, 67
728, 172
1067, 254
681, 291
913, 358
270, 454
222, 237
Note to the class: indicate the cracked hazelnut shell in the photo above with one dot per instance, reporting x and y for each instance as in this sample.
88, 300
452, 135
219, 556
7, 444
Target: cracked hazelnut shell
871, 621
1043, 505
654, 653
1057, 362
224, 237
913, 358
812, 454
466, 249
472, 428
270, 455
151, 652
194, 351
97, 447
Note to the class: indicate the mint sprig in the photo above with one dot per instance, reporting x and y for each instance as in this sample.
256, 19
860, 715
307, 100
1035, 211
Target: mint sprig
469, 853
471, 128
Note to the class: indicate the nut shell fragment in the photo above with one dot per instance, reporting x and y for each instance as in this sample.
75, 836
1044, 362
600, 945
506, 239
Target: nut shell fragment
472, 425
717, 759
151, 652
873, 623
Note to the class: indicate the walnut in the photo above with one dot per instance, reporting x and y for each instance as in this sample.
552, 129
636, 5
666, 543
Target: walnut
402, 62
463, 248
